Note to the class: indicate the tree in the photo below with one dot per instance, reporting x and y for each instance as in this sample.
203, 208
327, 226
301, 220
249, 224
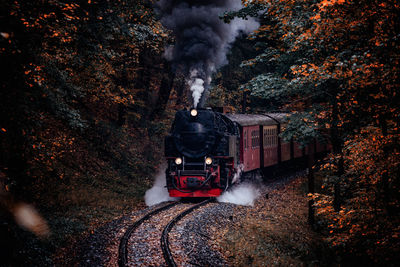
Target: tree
334, 64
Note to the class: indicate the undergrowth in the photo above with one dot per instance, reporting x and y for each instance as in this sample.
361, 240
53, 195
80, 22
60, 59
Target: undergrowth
275, 232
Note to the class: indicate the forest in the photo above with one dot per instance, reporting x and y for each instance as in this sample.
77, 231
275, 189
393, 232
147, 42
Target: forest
88, 94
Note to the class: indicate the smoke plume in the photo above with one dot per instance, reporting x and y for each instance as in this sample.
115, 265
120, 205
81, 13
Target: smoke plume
202, 38
158, 193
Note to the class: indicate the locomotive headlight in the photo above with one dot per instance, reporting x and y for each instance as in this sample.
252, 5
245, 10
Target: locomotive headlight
178, 161
193, 112
209, 160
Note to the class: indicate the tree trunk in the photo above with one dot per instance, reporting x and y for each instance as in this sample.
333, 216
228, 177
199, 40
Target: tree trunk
385, 178
337, 200
311, 184
164, 92
121, 115
244, 102
337, 146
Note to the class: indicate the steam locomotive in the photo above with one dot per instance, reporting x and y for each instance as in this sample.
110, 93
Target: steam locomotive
206, 150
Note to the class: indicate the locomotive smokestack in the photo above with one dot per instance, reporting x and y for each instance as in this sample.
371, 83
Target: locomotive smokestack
202, 38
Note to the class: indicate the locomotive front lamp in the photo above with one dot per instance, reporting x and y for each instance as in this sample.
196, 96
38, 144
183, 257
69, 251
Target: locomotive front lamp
209, 161
178, 161
193, 112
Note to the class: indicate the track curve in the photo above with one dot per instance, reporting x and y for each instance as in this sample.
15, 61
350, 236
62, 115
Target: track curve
169, 259
123, 248
164, 245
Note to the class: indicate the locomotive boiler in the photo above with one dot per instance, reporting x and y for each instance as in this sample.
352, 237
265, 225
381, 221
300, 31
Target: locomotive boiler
202, 151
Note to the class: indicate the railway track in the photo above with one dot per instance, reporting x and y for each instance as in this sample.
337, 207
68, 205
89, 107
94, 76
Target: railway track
169, 259
164, 242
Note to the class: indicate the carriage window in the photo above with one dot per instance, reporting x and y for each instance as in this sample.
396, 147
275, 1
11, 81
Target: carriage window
256, 139
265, 138
269, 138
253, 139
245, 140
273, 137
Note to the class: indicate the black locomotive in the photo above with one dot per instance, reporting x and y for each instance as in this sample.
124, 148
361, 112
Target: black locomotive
202, 152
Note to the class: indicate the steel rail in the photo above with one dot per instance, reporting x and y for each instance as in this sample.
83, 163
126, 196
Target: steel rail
169, 259
123, 245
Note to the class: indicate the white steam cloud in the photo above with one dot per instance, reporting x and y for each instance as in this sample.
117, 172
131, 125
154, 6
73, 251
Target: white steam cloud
196, 86
242, 194
158, 193
238, 174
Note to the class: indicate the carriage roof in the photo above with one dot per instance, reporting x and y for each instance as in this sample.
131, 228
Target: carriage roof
257, 119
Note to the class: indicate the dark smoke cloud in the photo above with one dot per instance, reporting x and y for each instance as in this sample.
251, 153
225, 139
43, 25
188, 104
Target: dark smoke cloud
202, 38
